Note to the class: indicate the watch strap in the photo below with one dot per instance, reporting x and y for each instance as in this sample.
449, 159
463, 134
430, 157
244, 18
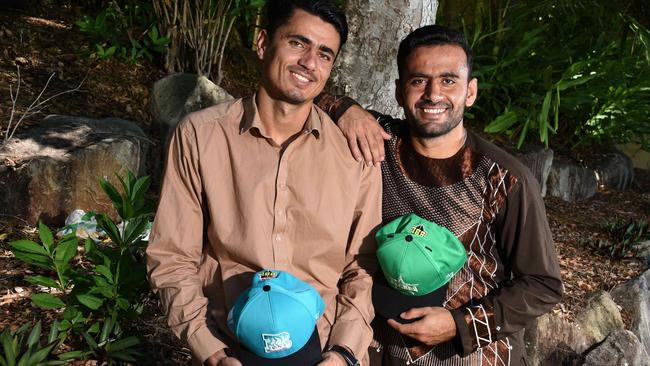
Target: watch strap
347, 355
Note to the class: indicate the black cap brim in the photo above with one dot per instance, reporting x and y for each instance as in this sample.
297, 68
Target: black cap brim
390, 303
309, 355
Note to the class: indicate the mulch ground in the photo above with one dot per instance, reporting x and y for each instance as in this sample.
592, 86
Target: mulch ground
44, 41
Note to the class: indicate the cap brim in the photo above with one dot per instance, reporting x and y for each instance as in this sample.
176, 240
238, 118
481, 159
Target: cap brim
390, 303
309, 355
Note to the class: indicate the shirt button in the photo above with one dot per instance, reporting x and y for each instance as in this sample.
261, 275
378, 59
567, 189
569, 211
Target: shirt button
278, 237
283, 186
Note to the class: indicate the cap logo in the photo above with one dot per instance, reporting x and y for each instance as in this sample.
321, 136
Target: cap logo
276, 342
399, 284
418, 230
267, 275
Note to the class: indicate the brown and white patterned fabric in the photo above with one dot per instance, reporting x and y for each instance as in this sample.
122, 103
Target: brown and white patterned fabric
492, 204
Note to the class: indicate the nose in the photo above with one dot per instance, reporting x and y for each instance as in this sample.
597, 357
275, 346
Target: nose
308, 59
432, 91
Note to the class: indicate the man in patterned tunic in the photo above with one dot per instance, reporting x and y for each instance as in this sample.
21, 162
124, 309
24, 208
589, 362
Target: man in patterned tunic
436, 168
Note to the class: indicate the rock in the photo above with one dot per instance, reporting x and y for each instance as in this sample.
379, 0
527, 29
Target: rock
600, 317
640, 158
634, 297
551, 340
61, 162
615, 171
644, 254
539, 161
621, 348
176, 95
366, 68
571, 182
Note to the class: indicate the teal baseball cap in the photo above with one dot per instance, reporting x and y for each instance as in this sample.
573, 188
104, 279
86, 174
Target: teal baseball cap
275, 319
417, 258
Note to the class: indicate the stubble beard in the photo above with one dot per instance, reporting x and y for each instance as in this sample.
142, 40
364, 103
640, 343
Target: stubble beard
431, 130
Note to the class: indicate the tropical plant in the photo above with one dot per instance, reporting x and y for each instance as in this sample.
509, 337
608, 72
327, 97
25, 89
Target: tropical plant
124, 29
623, 238
577, 69
101, 295
20, 349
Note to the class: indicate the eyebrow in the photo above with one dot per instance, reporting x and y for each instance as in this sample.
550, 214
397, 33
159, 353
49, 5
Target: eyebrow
446, 74
309, 42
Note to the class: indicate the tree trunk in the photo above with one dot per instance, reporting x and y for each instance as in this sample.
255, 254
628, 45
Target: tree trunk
367, 67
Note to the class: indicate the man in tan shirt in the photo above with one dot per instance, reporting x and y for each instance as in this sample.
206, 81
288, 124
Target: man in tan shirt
268, 182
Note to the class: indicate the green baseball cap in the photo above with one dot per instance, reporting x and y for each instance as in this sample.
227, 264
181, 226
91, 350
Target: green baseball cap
418, 256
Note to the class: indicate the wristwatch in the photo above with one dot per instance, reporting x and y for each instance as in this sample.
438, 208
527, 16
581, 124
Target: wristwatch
347, 355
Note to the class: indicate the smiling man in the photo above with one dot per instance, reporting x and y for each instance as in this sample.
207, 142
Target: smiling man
436, 168
267, 182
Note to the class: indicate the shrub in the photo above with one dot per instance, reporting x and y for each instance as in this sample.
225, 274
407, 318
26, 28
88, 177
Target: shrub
99, 296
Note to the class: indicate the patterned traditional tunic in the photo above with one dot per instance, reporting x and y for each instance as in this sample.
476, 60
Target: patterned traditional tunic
491, 202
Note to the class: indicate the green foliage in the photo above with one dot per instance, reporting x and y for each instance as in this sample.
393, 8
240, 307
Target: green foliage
124, 29
580, 70
20, 349
99, 296
623, 238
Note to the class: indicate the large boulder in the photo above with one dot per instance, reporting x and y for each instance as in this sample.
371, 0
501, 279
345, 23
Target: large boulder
551, 340
53, 169
621, 348
539, 161
615, 171
634, 297
571, 182
600, 317
176, 95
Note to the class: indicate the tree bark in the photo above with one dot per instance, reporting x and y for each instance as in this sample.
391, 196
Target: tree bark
367, 68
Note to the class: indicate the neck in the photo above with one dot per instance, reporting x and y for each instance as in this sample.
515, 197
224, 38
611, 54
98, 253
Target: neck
441, 147
281, 120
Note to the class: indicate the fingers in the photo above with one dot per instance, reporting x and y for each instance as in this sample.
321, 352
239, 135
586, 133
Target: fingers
354, 146
406, 329
414, 313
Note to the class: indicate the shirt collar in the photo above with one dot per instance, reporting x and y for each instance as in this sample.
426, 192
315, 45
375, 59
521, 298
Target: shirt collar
251, 119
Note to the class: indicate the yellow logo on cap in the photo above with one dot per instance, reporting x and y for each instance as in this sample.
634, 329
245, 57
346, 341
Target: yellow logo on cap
418, 230
267, 275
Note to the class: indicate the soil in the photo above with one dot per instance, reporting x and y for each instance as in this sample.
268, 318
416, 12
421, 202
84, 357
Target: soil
43, 40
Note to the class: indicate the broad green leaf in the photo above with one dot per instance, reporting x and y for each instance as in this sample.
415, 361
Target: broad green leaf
140, 187
111, 192
54, 332
106, 329
92, 302
109, 227
9, 346
94, 328
123, 303
28, 246
89, 340
566, 84
104, 271
134, 229
122, 344
47, 301
72, 355
42, 280
543, 117
35, 259
89, 246
34, 335
502, 123
45, 234
122, 355
39, 356
66, 251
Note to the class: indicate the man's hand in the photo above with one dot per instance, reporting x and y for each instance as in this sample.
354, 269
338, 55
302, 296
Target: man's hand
365, 136
332, 359
220, 358
436, 326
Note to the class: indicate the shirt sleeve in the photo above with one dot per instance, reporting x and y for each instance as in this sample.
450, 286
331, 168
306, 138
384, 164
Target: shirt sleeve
532, 286
354, 302
176, 246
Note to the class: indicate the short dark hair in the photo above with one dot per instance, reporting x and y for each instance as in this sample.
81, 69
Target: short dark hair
280, 11
432, 35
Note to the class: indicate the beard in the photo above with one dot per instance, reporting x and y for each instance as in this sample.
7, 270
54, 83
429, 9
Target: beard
424, 129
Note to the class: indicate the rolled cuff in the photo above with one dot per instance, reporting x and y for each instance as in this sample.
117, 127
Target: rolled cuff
204, 344
464, 340
350, 334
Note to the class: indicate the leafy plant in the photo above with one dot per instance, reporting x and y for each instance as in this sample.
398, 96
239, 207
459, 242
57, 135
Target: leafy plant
623, 238
127, 31
578, 70
20, 349
111, 288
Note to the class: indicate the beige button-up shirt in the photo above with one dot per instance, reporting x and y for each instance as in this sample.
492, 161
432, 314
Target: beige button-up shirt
233, 202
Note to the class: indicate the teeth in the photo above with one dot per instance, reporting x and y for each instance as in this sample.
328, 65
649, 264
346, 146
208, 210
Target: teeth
300, 77
433, 110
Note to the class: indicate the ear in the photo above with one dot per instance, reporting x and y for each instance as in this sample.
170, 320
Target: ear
472, 90
398, 93
262, 43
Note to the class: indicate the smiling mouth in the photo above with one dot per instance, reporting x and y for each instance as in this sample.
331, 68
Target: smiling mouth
301, 78
434, 110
